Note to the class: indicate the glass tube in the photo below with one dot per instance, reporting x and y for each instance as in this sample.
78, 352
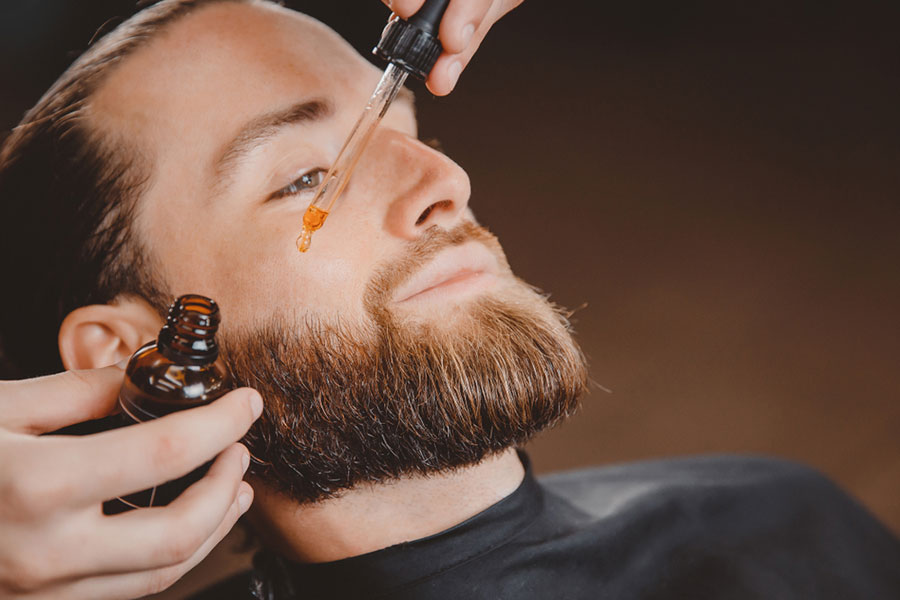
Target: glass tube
339, 174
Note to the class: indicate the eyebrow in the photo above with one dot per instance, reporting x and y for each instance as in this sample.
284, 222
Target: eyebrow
265, 127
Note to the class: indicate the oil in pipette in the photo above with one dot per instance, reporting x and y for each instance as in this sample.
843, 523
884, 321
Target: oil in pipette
313, 220
409, 47
339, 174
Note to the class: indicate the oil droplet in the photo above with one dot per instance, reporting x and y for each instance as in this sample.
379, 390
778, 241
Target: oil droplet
312, 221
314, 218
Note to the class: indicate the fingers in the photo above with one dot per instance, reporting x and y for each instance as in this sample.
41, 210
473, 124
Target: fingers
450, 65
137, 585
142, 583
135, 458
167, 536
463, 27
446, 71
460, 23
50, 403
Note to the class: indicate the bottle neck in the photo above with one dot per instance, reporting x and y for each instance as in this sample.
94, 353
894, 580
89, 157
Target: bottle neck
189, 335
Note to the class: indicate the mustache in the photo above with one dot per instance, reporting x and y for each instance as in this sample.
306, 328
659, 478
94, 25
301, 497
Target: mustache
395, 272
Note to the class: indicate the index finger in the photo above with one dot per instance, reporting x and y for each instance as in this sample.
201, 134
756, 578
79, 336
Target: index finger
460, 23
49, 403
131, 459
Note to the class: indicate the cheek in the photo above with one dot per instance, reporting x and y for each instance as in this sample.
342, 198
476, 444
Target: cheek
248, 263
260, 274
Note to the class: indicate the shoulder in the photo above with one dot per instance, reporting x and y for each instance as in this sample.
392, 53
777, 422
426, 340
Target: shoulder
738, 522
601, 489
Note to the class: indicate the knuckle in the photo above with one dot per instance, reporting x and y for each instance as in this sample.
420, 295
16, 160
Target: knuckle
232, 515
180, 545
28, 494
181, 551
48, 494
21, 574
161, 580
14, 498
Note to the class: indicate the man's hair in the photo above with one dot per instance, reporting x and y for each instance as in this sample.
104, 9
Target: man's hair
68, 198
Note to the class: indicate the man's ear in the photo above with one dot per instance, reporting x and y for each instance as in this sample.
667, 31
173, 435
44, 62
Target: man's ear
100, 335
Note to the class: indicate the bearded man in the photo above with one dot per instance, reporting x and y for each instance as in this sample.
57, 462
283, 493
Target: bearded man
400, 361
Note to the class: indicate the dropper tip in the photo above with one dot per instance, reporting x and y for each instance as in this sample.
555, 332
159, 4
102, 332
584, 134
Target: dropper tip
304, 241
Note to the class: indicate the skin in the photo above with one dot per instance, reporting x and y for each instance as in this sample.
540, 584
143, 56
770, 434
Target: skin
253, 60
247, 61
49, 516
181, 99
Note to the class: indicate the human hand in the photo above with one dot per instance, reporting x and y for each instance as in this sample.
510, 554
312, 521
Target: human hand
55, 542
463, 28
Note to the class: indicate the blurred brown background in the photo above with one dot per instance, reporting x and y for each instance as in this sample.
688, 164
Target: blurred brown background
714, 185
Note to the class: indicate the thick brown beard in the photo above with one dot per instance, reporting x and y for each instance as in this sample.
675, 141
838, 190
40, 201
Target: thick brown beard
349, 407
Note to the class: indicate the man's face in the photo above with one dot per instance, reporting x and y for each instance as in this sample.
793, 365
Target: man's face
236, 103
401, 342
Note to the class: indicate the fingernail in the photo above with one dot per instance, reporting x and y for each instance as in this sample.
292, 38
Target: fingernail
467, 33
245, 461
244, 502
123, 364
256, 404
454, 71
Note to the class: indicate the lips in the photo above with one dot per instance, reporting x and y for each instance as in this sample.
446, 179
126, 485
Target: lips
457, 269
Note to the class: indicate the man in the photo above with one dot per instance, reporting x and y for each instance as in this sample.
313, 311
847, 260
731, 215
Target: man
400, 361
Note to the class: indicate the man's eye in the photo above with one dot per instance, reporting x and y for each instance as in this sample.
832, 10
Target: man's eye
310, 180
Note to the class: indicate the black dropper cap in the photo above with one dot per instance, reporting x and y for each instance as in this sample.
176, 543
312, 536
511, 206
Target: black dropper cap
413, 44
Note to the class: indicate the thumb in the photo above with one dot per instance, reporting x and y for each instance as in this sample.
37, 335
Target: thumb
49, 403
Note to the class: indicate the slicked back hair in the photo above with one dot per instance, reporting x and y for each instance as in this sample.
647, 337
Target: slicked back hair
68, 196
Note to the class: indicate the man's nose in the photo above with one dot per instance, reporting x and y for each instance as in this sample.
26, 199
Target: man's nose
420, 186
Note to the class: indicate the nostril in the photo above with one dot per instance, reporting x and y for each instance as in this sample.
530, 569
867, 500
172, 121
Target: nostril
427, 212
424, 215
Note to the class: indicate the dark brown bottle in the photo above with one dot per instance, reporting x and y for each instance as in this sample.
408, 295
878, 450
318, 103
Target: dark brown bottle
178, 371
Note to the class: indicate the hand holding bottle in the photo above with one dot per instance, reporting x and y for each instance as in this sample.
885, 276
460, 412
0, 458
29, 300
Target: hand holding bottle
55, 541
463, 28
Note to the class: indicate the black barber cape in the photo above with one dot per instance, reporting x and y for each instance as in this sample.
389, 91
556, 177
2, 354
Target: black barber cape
729, 528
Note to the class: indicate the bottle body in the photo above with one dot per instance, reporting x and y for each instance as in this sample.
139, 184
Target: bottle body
156, 386
178, 371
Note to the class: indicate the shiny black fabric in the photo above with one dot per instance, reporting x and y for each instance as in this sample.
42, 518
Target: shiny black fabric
728, 528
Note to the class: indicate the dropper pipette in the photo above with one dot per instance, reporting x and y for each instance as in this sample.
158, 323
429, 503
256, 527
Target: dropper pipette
410, 46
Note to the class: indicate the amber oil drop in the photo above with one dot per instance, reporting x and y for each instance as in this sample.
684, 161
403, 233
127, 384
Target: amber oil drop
312, 221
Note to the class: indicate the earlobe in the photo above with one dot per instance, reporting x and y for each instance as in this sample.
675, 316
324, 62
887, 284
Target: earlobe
100, 335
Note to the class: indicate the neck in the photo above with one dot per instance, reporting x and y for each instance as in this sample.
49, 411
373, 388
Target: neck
376, 516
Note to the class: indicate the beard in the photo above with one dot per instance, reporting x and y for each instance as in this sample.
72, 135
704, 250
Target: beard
347, 406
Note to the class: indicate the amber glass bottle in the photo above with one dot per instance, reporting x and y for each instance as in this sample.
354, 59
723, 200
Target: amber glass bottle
180, 370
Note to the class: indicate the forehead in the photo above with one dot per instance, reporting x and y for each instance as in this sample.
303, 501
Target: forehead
214, 69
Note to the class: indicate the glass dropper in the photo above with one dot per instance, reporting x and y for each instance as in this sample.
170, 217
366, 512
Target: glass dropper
339, 174
410, 46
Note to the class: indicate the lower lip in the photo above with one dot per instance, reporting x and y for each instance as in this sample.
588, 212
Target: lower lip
465, 282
